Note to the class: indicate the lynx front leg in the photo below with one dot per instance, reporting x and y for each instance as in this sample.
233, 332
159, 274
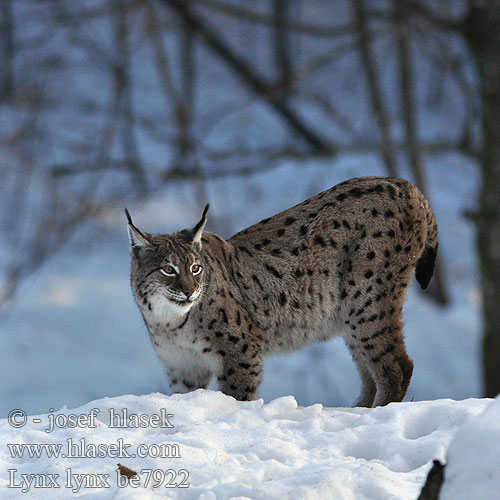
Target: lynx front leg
182, 381
241, 378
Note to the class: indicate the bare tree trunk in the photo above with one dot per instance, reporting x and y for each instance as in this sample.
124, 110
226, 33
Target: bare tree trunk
6, 50
482, 31
281, 37
406, 79
186, 146
368, 65
123, 82
185, 116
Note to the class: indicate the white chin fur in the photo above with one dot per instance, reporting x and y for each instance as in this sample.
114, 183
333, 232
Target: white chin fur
164, 309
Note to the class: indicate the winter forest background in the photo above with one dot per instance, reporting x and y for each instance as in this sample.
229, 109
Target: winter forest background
164, 105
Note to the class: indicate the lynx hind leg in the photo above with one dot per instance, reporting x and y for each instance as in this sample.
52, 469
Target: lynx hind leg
376, 341
392, 371
384, 366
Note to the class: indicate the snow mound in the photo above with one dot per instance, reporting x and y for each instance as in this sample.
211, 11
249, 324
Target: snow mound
231, 449
473, 459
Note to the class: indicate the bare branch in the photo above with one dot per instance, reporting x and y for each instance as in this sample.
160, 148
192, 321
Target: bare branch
252, 16
422, 9
333, 55
374, 88
444, 58
410, 123
45, 248
255, 82
160, 54
266, 155
329, 107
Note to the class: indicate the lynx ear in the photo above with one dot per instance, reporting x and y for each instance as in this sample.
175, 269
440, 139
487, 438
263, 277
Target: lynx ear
198, 229
138, 239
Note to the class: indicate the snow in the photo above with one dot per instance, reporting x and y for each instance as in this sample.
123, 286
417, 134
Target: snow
473, 458
277, 450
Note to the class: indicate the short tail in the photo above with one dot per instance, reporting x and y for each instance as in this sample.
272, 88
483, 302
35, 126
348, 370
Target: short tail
425, 265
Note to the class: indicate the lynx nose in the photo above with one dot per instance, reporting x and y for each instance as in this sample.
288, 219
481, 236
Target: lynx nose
187, 288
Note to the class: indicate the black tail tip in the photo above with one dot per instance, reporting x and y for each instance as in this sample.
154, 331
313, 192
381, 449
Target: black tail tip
425, 266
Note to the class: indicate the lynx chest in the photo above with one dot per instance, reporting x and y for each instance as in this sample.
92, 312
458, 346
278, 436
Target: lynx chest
175, 339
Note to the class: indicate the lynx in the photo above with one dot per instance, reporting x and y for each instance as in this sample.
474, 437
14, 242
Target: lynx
339, 263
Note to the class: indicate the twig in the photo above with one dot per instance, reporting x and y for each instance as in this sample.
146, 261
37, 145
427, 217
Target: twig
252, 16
255, 82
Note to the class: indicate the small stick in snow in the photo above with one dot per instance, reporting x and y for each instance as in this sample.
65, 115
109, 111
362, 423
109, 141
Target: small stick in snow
435, 478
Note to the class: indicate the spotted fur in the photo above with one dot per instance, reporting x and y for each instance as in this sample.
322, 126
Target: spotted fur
339, 263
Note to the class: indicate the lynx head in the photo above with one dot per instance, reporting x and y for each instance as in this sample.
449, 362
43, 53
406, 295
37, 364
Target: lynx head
167, 270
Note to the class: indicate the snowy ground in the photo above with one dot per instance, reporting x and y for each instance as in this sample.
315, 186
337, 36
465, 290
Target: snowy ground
229, 449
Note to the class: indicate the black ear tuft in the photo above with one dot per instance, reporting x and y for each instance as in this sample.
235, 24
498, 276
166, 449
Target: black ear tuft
129, 218
205, 210
197, 230
203, 219
138, 239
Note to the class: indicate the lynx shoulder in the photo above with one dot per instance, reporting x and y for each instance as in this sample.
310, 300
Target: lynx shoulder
339, 263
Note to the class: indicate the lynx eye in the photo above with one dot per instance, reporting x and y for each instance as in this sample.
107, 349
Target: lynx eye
168, 271
196, 269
